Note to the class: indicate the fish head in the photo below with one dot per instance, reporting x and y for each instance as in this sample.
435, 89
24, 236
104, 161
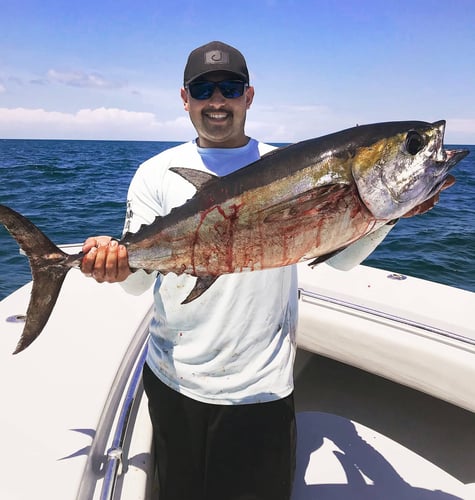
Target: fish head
403, 167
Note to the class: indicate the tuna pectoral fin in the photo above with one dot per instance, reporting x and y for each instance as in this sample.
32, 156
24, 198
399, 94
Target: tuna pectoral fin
202, 284
323, 258
48, 269
46, 286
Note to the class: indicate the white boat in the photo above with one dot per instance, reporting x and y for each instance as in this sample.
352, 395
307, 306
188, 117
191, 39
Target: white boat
385, 392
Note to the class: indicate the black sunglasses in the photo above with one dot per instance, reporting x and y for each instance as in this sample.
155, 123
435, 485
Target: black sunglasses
230, 89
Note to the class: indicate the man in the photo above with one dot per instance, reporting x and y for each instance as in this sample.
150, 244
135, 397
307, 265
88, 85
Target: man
218, 373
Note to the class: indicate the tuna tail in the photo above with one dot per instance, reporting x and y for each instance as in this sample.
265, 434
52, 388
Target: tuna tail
48, 270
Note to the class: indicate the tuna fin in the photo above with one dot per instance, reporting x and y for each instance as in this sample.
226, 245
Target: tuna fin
46, 286
47, 269
196, 177
202, 284
323, 258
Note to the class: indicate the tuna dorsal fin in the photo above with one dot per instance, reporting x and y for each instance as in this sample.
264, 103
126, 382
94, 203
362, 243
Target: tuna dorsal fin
202, 284
196, 177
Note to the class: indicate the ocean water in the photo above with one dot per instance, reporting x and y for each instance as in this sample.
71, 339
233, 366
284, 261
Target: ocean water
74, 189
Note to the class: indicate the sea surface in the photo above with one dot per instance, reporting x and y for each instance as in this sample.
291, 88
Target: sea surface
75, 189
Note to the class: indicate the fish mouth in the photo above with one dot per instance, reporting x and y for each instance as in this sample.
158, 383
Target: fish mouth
453, 156
444, 159
448, 157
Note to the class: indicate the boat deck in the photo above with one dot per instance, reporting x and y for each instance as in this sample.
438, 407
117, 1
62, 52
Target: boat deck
360, 436
432, 437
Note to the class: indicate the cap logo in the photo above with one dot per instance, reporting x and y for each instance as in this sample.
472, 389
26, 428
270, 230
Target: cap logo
216, 57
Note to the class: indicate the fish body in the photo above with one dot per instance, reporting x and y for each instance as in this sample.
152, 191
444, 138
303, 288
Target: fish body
302, 202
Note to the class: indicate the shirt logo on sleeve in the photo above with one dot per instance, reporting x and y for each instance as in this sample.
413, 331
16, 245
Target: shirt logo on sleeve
128, 217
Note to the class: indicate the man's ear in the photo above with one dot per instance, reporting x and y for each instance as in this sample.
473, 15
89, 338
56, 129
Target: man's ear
249, 96
184, 97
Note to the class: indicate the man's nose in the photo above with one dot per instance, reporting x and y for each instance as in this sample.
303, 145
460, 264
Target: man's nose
217, 97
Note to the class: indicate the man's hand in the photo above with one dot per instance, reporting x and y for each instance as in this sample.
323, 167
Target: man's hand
105, 260
431, 202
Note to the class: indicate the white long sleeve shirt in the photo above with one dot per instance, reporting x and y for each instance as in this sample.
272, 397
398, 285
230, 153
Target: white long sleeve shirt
235, 343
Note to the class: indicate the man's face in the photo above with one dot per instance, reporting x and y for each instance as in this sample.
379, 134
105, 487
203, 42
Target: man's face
218, 121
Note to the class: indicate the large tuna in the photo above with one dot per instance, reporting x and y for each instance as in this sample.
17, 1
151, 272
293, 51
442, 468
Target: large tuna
302, 202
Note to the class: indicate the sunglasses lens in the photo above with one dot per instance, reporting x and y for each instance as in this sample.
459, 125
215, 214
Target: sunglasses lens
230, 89
201, 90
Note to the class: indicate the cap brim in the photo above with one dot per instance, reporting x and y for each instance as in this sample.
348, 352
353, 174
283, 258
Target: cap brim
238, 76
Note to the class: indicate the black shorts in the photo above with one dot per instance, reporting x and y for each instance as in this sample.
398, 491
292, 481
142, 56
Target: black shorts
221, 452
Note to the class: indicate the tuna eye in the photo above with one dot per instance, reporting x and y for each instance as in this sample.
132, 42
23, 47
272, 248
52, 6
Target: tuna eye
414, 142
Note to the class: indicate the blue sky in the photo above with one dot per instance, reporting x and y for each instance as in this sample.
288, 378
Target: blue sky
112, 69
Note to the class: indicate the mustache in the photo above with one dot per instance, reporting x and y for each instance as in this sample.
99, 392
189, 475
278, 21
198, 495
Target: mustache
214, 110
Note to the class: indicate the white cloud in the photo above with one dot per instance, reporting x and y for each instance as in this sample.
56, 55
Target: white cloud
291, 123
272, 123
99, 123
81, 79
2, 88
